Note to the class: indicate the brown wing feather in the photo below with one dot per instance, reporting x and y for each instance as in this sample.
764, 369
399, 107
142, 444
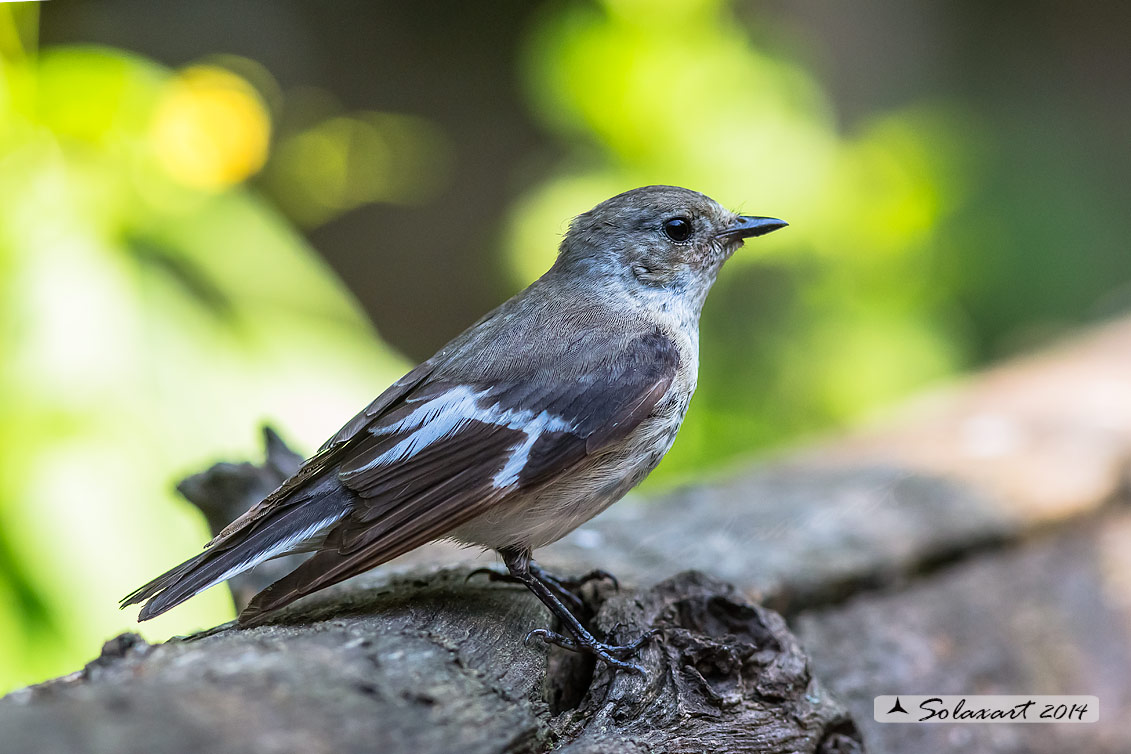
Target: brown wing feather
329, 455
394, 524
452, 479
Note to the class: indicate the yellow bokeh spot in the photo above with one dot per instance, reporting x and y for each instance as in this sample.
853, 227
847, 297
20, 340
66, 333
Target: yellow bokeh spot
210, 129
348, 161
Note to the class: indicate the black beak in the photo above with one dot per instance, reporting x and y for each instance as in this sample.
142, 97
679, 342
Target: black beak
749, 227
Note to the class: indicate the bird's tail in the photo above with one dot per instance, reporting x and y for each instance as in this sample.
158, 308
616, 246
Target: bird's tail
292, 527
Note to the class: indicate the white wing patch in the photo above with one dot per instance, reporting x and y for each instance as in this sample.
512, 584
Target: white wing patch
434, 420
520, 452
443, 416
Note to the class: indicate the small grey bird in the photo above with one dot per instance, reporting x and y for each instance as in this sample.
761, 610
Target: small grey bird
538, 417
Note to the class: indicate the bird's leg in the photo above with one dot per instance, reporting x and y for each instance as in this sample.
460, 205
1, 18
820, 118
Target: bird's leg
580, 640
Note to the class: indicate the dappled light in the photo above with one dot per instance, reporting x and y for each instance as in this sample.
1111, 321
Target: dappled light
153, 313
203, 232
347, 161
210, 128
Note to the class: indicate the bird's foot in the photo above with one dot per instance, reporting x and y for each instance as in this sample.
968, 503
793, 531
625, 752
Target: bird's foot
565, 584
574, 584
612, 654
492, 575
566, 589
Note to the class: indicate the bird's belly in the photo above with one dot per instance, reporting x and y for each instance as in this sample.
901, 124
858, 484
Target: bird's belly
546, 514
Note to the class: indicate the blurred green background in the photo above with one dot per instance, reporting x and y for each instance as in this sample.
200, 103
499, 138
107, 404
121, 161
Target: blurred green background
218, 214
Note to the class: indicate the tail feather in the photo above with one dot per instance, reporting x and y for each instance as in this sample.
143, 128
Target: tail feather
285, 531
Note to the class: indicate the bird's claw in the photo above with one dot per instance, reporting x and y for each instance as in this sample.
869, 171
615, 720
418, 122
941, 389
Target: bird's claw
648, 636
492, 575
611, 654
597, 574
567, 584
550, 637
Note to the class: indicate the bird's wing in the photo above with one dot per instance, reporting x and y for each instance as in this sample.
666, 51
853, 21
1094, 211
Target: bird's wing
449, 451
328, 456
301, 508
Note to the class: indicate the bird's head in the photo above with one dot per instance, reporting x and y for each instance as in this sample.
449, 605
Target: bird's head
658, 242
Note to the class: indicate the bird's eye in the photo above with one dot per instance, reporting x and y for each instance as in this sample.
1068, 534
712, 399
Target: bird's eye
677, 229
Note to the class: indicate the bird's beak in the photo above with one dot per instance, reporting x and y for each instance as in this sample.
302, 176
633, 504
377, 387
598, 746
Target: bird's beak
749, 227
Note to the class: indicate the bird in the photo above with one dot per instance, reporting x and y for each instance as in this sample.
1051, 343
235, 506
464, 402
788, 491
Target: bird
536, 418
